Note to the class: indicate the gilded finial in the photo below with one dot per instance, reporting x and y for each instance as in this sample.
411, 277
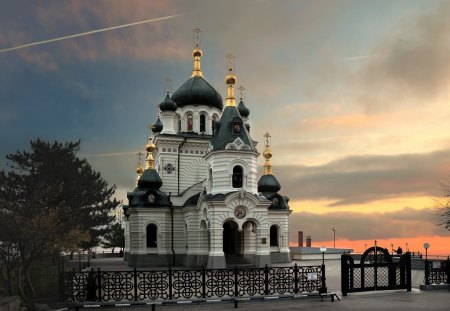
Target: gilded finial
241, 93
168, 86
150, 147
197, 53
230, 80
267, 154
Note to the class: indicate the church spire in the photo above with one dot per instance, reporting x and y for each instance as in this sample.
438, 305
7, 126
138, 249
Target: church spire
197, 53
230, 80
267, 155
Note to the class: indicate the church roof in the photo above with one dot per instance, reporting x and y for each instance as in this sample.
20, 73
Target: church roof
197, 91
243, 110
168, 104
268, 184
158, 126
230, 132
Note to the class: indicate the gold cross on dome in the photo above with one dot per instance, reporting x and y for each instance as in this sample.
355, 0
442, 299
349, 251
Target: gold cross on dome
168, 85
197, 37
241, 92
267, 137
230, 61
139, 156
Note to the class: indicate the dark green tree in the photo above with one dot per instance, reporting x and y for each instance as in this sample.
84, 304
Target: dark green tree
114, 237
49, 200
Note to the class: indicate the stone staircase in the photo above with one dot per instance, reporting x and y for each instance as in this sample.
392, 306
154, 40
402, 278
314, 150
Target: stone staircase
233, 260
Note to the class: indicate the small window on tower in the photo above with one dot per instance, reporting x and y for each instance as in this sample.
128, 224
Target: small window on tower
202, 123
189, 122
237, 129
237, 177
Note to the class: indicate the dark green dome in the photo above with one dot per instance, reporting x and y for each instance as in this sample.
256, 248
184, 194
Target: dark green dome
196, 91
157, 127
268, 184
149, 180
243, 110
168, 104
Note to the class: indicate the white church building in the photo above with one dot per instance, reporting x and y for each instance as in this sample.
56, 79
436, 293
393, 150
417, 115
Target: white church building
199, 201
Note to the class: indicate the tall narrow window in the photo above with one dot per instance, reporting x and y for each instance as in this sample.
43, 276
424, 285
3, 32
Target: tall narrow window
189, 122
273, 235
237, 177
202, 123
151, 235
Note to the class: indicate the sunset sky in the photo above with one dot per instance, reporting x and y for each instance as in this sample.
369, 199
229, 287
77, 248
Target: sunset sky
356, 96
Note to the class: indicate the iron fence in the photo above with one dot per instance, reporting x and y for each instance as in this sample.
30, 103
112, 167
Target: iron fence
103, 286
374, 274
437, 272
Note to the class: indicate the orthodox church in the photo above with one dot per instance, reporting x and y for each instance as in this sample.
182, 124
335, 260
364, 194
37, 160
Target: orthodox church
199, 201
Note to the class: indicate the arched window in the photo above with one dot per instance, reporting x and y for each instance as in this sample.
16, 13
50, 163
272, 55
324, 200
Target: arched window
151, 235
202, 123
189, 122
237, 177
273, 235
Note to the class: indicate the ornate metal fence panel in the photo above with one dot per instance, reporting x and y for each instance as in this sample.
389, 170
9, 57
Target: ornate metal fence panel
437, 272
376, 271
191, 284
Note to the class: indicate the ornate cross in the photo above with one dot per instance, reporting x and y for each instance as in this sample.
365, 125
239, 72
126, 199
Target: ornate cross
241, 92
267, 137
197, 37
168, 85
230, 61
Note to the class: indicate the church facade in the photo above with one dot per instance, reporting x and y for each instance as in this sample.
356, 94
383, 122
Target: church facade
199, 201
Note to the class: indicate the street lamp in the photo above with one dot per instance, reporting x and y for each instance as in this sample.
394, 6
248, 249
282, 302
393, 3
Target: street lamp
323, 289
392, 249
407, 247
323, 249
334, 237
426, 246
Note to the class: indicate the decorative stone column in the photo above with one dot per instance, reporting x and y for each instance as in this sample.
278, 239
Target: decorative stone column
216, 257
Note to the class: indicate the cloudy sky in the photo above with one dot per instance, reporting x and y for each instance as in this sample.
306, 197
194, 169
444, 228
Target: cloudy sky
356, 96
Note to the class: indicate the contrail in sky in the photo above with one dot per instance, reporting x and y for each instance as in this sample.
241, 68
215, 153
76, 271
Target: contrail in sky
91, 32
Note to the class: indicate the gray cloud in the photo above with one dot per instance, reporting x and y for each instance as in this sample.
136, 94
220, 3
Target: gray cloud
359, 179
405, 223
412, 63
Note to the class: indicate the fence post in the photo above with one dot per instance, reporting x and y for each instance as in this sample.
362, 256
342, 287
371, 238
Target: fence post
99, 284
236, 272
323, 289
203, 282
408, 272
135, 283
447, 270
344, 275
295, 278
266, 280
170, 283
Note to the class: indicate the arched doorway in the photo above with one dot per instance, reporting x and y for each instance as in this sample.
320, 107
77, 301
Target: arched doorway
232, 238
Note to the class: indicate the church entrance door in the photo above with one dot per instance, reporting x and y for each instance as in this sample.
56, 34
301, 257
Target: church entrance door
232, 239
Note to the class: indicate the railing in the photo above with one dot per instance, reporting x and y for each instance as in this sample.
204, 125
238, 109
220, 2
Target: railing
103, 286
437, 272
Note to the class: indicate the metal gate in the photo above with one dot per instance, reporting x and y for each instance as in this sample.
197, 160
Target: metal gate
376, 271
